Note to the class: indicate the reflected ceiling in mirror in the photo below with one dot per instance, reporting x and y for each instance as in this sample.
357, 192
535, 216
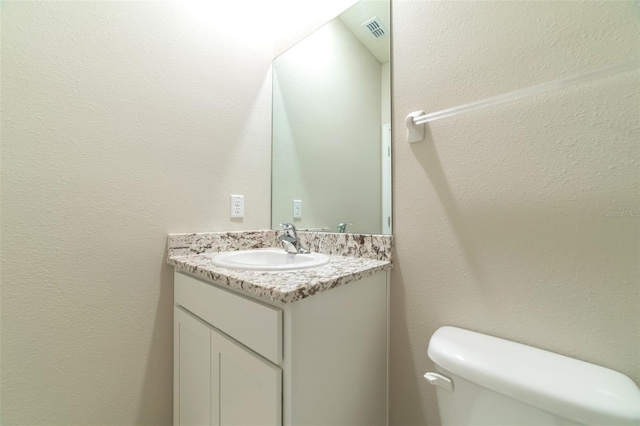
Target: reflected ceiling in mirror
331, 126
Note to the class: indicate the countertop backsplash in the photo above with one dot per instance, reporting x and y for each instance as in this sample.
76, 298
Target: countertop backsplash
354, 245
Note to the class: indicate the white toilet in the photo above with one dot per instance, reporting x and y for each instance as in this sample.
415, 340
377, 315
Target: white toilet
484, 380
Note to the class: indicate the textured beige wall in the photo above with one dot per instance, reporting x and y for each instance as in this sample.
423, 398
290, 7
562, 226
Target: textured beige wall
121, 122
293, 20
500, 215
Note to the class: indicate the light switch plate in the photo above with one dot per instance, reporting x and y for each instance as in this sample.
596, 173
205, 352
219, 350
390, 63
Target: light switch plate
237, 205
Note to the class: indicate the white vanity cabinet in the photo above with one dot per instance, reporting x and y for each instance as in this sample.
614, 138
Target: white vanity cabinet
239, 360
220, 382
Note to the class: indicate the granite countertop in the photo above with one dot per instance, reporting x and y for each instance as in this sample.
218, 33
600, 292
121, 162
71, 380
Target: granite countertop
352, 257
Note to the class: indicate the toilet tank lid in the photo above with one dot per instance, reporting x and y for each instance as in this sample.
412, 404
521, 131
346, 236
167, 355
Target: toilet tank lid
567, 387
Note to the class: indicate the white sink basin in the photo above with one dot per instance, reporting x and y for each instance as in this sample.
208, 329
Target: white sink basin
271, 259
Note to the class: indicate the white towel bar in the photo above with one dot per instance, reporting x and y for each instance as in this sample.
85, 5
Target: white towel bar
416, 120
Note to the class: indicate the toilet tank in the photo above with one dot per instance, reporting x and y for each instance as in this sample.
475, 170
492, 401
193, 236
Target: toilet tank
484, 380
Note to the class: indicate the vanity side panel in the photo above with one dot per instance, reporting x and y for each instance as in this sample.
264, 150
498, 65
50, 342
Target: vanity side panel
338, 358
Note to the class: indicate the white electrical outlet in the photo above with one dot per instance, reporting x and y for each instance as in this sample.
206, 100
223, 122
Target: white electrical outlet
297, 209
237, 205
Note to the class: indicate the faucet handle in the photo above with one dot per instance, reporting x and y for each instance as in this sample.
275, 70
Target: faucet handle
289, 229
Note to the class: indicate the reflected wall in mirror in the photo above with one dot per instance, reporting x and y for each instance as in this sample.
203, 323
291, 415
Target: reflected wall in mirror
331, 125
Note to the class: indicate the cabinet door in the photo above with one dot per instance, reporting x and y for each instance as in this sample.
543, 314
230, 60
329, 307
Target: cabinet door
191, 370
249, 390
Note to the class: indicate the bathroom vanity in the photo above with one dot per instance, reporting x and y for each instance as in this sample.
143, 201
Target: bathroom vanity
271, 348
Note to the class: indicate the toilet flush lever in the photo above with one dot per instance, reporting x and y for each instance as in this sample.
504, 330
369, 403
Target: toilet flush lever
440, 381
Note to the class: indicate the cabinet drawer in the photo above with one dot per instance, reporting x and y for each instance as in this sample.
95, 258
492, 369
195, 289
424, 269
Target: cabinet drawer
254, 324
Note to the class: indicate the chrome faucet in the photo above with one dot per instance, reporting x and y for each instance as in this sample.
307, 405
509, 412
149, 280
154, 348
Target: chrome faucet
290, 239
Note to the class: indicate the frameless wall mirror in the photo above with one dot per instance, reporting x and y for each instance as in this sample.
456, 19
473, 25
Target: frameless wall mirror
331, 165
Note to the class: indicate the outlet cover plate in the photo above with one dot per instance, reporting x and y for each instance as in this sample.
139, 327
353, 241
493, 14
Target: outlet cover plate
297, 209
237, 205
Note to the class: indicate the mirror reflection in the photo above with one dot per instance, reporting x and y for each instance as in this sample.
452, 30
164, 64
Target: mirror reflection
331, 160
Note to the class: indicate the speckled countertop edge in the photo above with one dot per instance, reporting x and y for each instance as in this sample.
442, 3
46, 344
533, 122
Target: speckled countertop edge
352, 257
286, 286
